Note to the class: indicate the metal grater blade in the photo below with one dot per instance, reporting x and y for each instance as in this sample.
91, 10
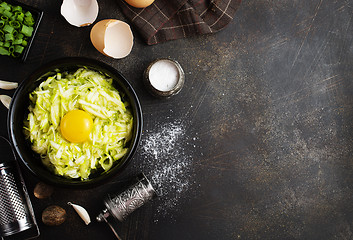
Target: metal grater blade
11, 204
16, 213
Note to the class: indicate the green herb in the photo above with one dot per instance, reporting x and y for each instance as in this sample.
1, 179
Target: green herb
16, 27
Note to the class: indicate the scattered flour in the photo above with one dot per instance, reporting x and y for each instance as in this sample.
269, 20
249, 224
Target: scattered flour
167, 164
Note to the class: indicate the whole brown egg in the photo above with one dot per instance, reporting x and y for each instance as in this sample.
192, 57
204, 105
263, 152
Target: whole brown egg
139, 3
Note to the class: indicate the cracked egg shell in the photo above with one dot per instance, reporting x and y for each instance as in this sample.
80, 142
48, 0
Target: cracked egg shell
80, 13
112, 37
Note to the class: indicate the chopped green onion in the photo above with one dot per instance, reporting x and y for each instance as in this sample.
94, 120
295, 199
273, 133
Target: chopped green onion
29, 21
16, 27
15, 24
27, 31
19, 16
11, 49
19, 49
17, 41
8, 28
5, 6
4, 51
7, 13
9, 37
17, 9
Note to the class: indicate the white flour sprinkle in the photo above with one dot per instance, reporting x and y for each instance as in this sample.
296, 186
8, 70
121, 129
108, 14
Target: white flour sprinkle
167, 164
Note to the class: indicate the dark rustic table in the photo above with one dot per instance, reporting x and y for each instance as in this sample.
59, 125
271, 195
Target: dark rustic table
257, 145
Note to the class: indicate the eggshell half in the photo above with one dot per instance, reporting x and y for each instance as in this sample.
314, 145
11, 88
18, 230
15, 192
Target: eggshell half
112, 37
80, 13
97, 34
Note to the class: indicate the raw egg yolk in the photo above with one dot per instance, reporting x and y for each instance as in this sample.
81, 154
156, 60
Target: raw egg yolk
76, 126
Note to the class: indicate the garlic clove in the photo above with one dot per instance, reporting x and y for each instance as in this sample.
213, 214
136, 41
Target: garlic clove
80, 13
81, 212
8, 85
6, 100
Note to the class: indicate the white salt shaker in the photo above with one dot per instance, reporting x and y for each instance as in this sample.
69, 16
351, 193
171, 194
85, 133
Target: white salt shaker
164, 77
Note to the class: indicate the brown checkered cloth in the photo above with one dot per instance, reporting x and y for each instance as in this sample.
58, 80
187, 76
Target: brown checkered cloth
166, 20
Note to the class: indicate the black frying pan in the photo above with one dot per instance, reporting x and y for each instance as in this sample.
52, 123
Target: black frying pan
19, 110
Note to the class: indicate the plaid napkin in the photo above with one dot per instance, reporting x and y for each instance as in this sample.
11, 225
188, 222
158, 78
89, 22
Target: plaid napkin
166, 20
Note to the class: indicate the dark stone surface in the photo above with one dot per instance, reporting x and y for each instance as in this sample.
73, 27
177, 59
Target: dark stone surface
267, 108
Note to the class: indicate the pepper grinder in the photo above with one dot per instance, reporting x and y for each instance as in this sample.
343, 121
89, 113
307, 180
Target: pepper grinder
121, 205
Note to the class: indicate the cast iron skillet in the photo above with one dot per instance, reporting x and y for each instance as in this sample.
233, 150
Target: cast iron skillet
19, 109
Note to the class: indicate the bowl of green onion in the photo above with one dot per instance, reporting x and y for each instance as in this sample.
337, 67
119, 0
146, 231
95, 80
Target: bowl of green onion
75, 122
18, 26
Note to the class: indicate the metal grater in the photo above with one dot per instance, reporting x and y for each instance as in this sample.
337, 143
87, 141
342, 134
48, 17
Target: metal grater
13, 214
16, 213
